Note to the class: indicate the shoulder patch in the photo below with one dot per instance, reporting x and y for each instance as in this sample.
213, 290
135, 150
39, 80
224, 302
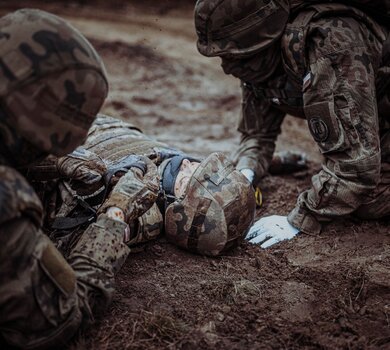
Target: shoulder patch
17, 197
319, 129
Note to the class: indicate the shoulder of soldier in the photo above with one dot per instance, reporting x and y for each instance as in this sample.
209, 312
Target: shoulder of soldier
307, 39
17, 197
332, 35
329, 28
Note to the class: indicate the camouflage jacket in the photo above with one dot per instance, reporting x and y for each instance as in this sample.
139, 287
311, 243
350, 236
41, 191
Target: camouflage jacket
44, 299
109, 141
334, 59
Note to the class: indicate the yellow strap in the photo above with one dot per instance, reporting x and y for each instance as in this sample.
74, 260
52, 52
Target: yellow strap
259, 197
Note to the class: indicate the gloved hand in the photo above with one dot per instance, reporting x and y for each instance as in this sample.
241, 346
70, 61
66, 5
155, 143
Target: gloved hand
116, 170
85, 170
287, 162
135, 191
270, 230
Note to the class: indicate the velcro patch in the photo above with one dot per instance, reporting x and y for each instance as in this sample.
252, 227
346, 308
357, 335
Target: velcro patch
58, 269
319, 129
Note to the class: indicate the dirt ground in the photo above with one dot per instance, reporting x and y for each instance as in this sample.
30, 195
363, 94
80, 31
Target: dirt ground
330, 291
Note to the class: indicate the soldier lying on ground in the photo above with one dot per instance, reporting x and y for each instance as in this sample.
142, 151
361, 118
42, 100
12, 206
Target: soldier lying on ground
204, 206
52, 85
321, 60
91, 170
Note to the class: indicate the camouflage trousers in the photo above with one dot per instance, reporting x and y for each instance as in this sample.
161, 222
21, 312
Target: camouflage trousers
377, 204
45, 299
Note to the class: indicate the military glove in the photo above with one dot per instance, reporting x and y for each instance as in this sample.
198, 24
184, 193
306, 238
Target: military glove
270, 230
116, 170
84, 169
287, 162
135, 191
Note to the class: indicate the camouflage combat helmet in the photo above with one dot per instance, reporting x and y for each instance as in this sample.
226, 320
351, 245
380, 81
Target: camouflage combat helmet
216, 210
53, 82
240, 28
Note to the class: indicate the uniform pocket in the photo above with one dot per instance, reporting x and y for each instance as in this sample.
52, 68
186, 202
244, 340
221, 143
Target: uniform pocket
54, 283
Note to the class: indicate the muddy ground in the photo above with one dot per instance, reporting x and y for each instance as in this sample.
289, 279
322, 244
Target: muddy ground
330, 291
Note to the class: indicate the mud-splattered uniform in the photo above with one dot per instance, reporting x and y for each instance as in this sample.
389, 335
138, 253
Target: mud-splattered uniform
334, 71
53, 84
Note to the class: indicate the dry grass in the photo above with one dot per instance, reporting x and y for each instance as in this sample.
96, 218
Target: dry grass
141, 330
231, 292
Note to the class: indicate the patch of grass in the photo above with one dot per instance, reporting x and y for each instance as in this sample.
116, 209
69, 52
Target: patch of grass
232, 292
161, 326
143, 330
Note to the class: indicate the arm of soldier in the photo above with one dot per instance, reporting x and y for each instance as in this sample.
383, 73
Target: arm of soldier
83, 169
135, 192
340, 106
45, 170
102, 250
60, 295
259, 127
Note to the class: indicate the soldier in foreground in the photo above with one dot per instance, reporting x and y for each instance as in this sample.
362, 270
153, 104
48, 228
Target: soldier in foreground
204, 206
53, 84
326, 62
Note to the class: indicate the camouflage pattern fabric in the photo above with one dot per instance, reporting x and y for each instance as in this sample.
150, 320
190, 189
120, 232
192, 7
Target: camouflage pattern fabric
41, 305
217, 209
378, 9
52, 85
335, 74
135, 192
111, 139
52, 79
85, 169
238, 28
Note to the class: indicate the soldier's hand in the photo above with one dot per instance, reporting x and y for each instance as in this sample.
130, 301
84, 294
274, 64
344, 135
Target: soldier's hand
287, 162
118, 215
84, 169
116, 171
135, 192
270, 230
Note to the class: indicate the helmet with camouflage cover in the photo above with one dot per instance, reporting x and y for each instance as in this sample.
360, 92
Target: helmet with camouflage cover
239, 28
53, 83
216, 210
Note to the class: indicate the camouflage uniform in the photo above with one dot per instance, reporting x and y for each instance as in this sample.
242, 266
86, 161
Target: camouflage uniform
333, 71
52, 85
211, 205
109, 140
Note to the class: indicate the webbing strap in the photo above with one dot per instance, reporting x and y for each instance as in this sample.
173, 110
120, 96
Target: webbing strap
197, 223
